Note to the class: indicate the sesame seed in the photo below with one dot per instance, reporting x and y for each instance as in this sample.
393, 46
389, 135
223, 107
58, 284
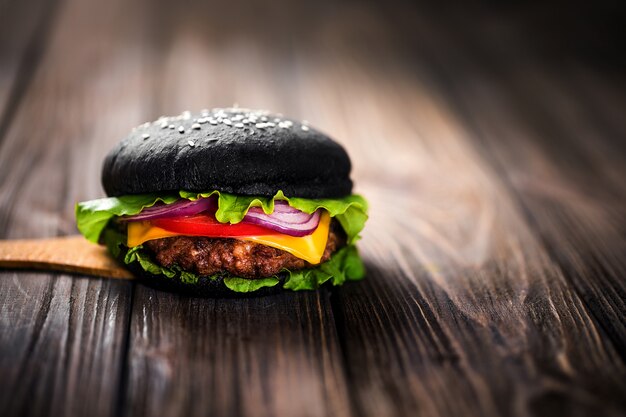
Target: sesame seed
202, 120
145, 136
196, 126
191, 143
260, 125
239, 125
172, 127
227, 122
245, 121
305, 128
181, 129
270, 124
164, 125
186, 115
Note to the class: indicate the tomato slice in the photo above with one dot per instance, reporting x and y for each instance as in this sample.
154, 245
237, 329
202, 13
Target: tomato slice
207, 225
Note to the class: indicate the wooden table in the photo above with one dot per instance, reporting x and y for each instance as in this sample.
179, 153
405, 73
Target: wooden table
490, 144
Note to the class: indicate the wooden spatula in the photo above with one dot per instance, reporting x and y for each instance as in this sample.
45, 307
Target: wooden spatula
66, 254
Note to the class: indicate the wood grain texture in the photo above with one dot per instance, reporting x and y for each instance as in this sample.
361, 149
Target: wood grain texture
24, 30
267, 356
63, 339
493, 161
65, 254
61, 344
560, 155
580, 224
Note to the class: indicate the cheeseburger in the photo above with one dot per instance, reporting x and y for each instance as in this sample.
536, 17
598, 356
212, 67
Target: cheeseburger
229, 201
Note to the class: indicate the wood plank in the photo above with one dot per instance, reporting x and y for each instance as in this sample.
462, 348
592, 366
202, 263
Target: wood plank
265, 356
464, 311
468, 308
269, 356
575, 204
24, 29
62, 338
60, 344
562, 157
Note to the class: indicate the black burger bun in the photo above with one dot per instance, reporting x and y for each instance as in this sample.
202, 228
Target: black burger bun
205, 287
237, 151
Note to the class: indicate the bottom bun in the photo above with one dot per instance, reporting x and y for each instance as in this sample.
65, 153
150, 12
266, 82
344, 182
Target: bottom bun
205, 287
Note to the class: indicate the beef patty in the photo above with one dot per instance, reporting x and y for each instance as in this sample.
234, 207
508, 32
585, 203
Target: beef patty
208, 256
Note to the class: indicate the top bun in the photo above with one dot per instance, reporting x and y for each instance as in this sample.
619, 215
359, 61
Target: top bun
237, 151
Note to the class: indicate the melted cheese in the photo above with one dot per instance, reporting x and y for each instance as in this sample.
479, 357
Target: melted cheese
139, 232
310, 248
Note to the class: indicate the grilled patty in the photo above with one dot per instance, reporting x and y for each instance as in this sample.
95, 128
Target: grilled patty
208, 256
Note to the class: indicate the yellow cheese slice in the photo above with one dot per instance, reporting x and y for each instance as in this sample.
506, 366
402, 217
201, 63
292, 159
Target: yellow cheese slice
310, 248
139, 232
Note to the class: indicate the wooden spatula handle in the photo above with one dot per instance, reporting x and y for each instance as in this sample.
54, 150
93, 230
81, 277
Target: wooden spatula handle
66, 254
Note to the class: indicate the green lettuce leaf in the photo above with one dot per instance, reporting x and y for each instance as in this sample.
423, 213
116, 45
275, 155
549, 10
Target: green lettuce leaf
344, 265
249, 285
93, 216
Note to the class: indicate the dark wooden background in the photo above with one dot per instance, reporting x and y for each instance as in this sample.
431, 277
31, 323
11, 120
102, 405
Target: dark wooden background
489, 139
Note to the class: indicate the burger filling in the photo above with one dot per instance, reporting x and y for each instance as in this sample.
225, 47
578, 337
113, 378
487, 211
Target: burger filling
244, 240
246, 259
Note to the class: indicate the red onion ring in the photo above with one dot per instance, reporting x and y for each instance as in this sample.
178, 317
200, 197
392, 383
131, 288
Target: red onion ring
180, 208
284, 219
